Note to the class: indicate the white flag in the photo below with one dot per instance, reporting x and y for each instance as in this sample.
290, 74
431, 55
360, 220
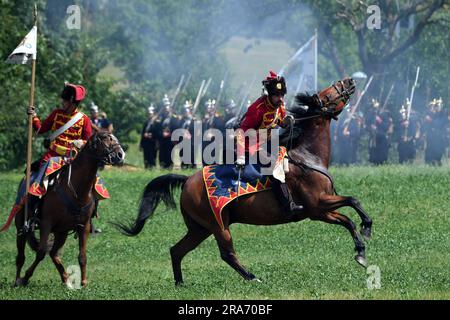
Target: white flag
26, 50
300, 71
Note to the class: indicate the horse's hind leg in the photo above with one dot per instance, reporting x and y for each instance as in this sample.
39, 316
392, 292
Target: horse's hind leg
20, 258
340, 219
331, 203
225, 243
196, 234
60, 239
40, 255
83, 236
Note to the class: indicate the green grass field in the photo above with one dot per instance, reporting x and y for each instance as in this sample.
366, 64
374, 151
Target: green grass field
306, 260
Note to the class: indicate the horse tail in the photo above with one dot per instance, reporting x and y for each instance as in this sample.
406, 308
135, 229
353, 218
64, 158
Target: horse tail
160, 188
33, 242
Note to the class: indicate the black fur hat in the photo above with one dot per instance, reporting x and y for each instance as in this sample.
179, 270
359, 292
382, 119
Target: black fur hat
275, 84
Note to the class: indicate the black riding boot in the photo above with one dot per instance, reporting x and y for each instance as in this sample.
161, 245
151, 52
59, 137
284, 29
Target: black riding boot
284, 196
33, 215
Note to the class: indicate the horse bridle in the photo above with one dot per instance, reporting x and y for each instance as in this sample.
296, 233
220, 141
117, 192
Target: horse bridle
328, 109
105, 158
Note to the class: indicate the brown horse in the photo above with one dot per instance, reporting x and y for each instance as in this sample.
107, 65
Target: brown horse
68, 205
308, 143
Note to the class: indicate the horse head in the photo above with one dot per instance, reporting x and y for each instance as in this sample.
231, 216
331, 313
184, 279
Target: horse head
327, 103
105, 147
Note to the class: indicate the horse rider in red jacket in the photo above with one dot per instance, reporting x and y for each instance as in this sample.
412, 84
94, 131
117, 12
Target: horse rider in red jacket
267, 112
66, 141
76, 135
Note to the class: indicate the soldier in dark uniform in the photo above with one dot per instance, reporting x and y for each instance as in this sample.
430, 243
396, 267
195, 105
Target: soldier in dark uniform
408, 132
149, 138
213, 120
94, 117
348, 134
230, 112
435, 127
169, 123
187, 123
380, 128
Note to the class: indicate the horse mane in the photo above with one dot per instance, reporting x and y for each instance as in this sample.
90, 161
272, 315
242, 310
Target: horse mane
305, 105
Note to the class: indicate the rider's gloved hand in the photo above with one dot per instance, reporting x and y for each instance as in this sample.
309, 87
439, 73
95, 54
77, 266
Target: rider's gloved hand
31, 111
240, 161
288, 120
78, 143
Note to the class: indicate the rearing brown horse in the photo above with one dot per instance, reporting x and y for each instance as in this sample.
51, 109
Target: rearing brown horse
68, 205
309, 181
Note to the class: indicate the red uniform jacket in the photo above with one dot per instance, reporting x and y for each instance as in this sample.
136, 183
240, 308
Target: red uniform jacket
260, 115
61, 146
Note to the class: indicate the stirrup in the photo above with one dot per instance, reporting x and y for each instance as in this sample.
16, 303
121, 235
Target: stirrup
33, 223
295, 207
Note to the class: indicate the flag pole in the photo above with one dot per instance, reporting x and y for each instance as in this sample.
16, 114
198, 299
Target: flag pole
316, 62
30, 128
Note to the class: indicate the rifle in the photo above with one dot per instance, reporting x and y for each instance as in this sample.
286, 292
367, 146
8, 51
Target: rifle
408, 111
221, 87
199, 96
205, 89
412, 94
186, 83
387, 98
177, 91
222, 84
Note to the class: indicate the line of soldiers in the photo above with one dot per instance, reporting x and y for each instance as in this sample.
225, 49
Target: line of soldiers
429, 132
383, 130
159, 126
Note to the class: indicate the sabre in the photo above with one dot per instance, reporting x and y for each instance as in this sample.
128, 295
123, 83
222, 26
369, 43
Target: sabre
357, 102
239, 182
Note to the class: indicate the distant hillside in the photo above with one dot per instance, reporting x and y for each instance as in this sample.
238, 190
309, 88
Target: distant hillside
251, 59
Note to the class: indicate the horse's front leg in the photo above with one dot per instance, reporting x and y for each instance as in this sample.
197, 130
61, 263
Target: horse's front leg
329, 203
40, 255
20, 243
60, 239
83, 236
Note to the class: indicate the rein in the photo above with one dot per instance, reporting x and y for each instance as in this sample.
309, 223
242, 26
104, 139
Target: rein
305, 167
109, 150
77, 209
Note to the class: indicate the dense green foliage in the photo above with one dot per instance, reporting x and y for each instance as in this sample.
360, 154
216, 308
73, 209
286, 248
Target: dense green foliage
306, 260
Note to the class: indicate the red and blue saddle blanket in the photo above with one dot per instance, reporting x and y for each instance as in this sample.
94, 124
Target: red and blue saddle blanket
221, 183
39, 182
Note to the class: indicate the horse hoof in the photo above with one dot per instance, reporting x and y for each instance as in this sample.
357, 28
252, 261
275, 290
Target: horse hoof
179, 284
366, 233
256, 279
20, 282
361, 260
